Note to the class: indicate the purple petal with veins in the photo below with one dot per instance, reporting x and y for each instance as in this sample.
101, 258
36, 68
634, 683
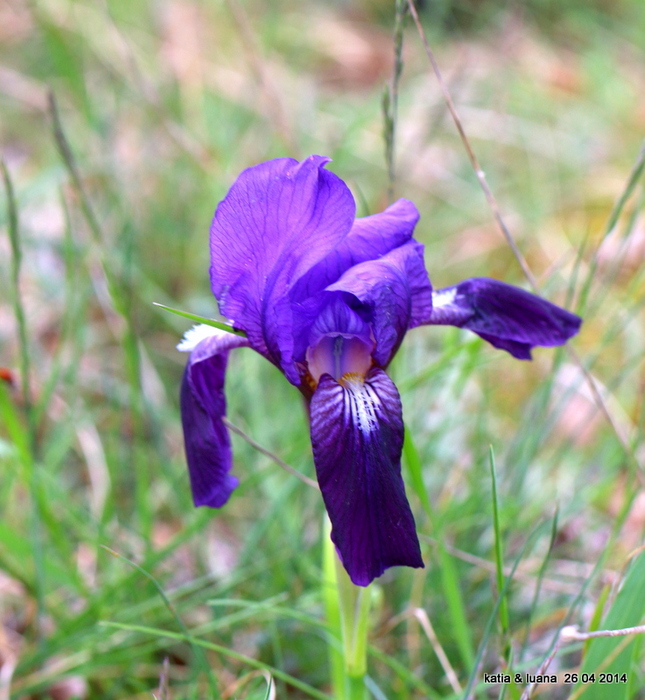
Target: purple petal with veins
203, 405
369, 239
357, 437
508, 317
394, 292
277, 221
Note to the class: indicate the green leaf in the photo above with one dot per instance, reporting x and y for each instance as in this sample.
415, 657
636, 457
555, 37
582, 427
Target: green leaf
499, 549
614, 654
201, 319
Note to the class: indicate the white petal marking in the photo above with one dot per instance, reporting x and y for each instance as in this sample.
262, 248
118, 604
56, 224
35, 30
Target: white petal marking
361, 401
194, 336
443, 298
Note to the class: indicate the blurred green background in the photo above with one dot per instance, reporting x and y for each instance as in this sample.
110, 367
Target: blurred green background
162, 103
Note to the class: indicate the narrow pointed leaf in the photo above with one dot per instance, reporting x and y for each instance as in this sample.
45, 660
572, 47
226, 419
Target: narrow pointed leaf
202, 319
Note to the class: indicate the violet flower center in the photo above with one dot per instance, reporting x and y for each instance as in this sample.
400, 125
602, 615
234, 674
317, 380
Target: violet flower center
339, 355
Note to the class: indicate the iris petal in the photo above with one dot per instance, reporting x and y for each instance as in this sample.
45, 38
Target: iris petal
277, 221
370, 238
357, 437
337, 317
506, 316
203, 405
396, 292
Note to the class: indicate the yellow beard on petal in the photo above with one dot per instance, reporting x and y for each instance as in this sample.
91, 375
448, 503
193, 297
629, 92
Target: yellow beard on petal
351, 380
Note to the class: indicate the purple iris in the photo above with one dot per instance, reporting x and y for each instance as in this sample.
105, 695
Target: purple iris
328, 299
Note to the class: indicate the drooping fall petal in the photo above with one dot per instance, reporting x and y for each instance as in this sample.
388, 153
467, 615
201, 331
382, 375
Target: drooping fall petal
203, 405
506, 316
357, 437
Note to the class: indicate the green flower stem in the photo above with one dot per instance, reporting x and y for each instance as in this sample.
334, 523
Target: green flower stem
356, 688
332, 611
347, 607
354, 617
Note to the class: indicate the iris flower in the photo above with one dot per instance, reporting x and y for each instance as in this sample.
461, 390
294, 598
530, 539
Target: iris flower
328, 298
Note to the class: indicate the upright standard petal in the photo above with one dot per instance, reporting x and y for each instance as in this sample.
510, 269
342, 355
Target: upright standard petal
278, 220
203, 405
357, 437
506, 316
395, 293
370, 238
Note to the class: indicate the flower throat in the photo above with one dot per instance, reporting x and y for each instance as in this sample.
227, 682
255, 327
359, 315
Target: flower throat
338, 355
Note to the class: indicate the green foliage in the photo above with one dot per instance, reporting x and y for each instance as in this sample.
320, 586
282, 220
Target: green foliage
618, 656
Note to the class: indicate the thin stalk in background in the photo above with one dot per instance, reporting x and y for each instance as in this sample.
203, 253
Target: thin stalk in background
499, 558
18, 308
538, 584
637, 172
481, 175
27, 455
494, 207
119, 291
504, 619
391, 97
528, 545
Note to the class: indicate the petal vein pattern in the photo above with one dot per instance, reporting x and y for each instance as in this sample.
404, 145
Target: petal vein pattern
357, 437
370, 238
508, 317
361, 401
396, 291
277, 221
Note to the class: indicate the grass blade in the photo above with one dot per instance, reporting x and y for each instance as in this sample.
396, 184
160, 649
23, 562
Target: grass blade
295, 682
499, 553
613, 655
18, 309
202, 319
449, 578
201, 659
